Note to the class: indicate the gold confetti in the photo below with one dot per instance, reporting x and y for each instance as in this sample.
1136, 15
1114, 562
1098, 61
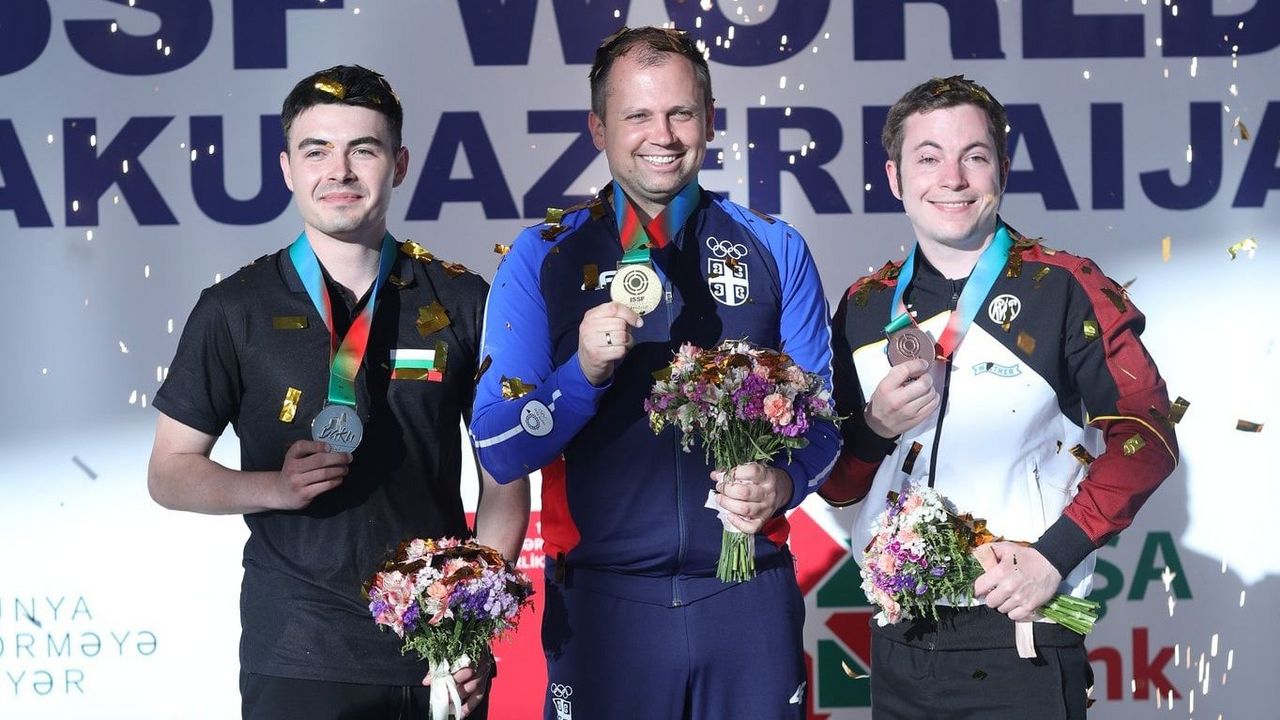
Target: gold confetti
554, 216
909, 463
432, 318
663, 374
551, 231
1115, 298
731, 262
484, 365
850, 672
453, 269
513, 388
396, 281
1166, 247
1133, 444
1248, 426
1091, 330
590, 276
332, 87
441, 359
1246, 245
416, 251
1014, 268
289, 322
1082, 455
979, 674
289, 406
1040, 275
1026, 343
501, 249
1178, 409
1086, 269
1244, 131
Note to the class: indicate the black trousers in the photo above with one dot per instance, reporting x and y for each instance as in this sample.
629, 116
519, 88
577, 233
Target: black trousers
265, 697
913, 683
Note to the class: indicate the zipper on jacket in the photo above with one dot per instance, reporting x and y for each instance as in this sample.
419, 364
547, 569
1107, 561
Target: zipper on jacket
680, 527
942, 404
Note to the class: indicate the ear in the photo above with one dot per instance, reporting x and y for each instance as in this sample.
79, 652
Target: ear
1004, 174
596, 125
402, 166
711, 121
284, 170
891, 173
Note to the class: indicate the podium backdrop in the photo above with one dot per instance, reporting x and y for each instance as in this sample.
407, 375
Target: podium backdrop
138, 146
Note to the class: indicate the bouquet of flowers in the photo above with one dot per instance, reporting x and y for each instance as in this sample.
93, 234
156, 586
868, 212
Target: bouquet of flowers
447, 599
923, 552
745, 404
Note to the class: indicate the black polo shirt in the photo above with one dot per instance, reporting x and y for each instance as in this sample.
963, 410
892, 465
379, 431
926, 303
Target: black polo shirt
249, 340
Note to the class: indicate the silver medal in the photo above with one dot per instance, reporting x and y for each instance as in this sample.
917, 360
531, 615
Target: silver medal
338, 426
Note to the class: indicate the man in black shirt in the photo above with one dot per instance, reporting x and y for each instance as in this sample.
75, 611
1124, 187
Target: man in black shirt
345, 363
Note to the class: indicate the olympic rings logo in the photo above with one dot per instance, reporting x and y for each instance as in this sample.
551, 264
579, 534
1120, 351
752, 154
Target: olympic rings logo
561, 691
724, 248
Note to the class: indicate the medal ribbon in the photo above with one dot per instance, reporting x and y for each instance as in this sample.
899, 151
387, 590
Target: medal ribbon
636, 237
980, 282
344, 358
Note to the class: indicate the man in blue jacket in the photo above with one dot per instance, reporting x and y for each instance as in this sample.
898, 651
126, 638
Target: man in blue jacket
635, 617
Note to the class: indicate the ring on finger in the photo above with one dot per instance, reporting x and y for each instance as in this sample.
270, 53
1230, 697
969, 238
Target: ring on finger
608, 338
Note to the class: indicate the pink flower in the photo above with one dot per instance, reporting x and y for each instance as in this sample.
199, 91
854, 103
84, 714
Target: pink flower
796, 376
778, 409
415, 549
913, 502
887, 563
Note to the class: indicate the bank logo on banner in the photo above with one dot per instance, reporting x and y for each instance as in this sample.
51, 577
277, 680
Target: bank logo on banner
837, 620
725, 275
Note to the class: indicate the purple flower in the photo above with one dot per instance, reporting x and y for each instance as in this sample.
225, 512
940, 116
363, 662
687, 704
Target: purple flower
938, 571
411, 616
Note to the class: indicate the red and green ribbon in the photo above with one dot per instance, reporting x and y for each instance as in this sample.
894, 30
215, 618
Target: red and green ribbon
637, 237
980, 282
344, 357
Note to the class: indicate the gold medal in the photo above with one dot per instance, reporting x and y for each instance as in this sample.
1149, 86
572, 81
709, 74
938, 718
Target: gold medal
637, 286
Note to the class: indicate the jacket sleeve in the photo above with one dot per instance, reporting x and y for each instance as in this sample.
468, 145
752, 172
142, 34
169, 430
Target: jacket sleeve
1126, 399
518, 433
806, 336
862, 451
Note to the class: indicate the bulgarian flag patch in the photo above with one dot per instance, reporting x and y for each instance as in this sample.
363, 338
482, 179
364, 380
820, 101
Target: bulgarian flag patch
419, 364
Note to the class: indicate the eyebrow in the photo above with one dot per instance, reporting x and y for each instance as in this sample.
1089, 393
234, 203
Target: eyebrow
965, 149
318, 142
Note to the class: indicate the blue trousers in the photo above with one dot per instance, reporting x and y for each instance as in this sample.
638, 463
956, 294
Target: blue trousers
735, 654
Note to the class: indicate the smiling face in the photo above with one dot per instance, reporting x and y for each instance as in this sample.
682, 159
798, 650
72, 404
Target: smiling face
950, 179
341, 164
655, 128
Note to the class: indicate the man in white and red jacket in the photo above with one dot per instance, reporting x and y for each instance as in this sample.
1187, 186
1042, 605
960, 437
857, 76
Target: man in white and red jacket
1033, 405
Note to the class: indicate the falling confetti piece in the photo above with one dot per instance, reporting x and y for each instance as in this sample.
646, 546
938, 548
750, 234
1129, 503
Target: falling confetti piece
432, 318
1082, 455
416, 251
1242, 128
124, 348
1248, 426
1091, 330
484, 365
1133, 445
1178, 409
87, 470
851, 673
1166, 247
590, 276
501, 249
286, 322
1167, 577
1026, 343
289, 405
513, 388
909, 463
1248, 245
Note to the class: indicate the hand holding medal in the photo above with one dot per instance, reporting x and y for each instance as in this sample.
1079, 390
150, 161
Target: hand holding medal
604, 337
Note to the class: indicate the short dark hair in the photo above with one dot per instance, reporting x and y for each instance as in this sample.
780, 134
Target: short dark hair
940, 93
652, 46
345, 85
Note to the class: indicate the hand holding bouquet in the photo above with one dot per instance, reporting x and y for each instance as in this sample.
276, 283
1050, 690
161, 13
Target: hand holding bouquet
745, 404
447, 599
923, 553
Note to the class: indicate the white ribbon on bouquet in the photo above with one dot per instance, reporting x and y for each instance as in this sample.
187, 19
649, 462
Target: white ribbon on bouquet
444, 691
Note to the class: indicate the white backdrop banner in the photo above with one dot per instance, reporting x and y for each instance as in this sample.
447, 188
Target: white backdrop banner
138, 164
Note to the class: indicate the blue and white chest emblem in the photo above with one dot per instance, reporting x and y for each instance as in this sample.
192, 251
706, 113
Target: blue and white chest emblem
726, 274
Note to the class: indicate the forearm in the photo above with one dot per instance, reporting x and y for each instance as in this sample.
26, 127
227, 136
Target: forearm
195, 483
502, 517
